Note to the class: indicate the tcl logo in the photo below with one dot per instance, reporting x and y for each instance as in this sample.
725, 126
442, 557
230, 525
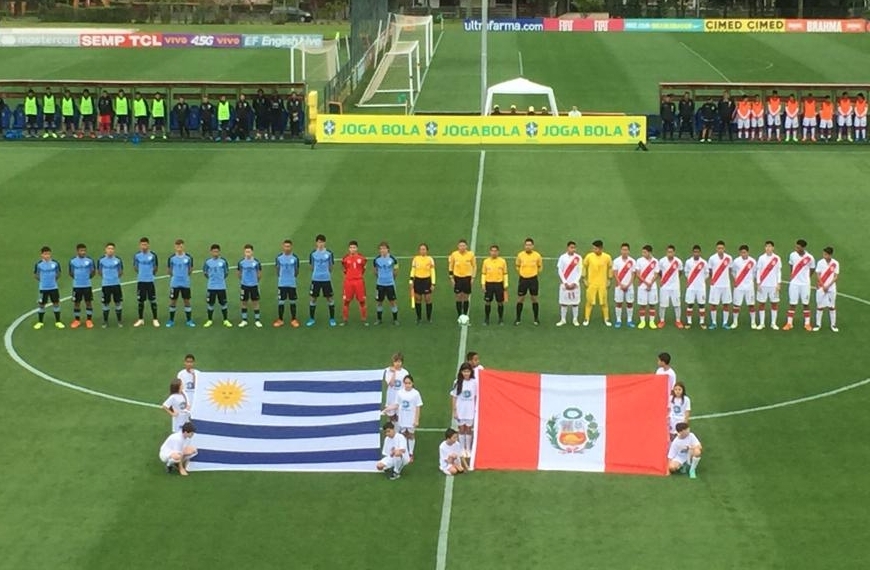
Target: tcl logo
121, 40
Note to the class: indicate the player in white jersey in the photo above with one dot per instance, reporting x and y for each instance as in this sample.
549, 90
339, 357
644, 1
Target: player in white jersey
450, 454
718, 267
177, 450
647, 271
685, 451
188, 375
743, 272
176, 405
695, 268
463, 397
802, 266
570, 266
827, 273
860, 118
679, 408
623, 277
663, 364
768, 279
844, 117
670, 268
393, 376
394, 451
407, 408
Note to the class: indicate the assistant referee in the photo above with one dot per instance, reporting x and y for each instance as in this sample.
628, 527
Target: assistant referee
529, 264
423, 281
494, 279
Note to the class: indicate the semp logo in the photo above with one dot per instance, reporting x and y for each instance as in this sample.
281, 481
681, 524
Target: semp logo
532, 129
634, 130
329, 128
431, 129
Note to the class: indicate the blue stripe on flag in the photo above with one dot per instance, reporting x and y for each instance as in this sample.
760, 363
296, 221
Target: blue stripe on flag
285, 432
340, 386
310, 411
244, 458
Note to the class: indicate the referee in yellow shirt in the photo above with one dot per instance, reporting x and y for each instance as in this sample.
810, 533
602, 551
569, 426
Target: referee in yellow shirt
597, 270
462, 267
494, 279
529, 264
423, 282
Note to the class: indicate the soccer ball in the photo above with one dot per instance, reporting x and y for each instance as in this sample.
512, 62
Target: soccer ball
463, 320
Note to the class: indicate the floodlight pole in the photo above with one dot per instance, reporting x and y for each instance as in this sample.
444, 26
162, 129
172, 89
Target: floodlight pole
484, 20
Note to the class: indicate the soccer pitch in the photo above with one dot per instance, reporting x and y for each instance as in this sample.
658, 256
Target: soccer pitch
781, 482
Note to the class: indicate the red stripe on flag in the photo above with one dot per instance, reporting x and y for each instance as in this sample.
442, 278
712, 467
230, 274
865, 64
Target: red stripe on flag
508, 426
637, 429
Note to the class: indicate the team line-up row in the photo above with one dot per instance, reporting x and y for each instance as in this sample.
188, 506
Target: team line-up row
657, 283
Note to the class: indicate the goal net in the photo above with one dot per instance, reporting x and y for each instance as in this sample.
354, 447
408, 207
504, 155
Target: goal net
315, 65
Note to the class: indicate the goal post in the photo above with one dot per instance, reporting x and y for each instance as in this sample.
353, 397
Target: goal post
315, 64
415, 28
397, 74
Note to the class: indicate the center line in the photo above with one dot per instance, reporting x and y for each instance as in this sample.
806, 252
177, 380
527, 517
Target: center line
447, 505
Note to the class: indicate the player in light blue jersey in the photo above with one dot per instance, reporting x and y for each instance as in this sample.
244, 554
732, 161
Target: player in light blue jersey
145, 264
46, 272
111, 269
386, 268
321, 260
216, 269
287, 266
250, 271
82, 269
180, 267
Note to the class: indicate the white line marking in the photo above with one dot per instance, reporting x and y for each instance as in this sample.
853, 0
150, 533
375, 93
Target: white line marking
520, 55
707, 61
447, 504
426, 72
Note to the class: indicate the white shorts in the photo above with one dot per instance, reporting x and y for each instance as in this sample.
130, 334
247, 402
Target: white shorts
569, 296
670, 297
757, 122
647, 297
861, 122
167, 458
672, 423
696, 296
798, 294
742, 123
791, 122
844, 120
826, 300
742, 295
391, 462
774, 120
626, 296
826, 124
445, 467
767, 293
720, 295
402, 429
465, 422
809, 121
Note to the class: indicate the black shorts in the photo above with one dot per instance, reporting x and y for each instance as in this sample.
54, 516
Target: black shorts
159, 122
145, 291
123, 120
85, 294
112, 294
219, 295
494, 292
528, 285
262, 122
142, 121
69, 121
49, 296
321, 287
422, 285
176, 292
387, 292
462, 285
250, 293
32, 120
287, 294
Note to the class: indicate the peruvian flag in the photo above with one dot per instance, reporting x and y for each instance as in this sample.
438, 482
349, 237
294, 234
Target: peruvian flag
549, 422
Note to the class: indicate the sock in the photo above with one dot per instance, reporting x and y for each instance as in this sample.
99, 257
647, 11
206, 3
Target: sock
141, 308
465, 307
256, 314
332, 310
694, 461
311, 308
832, 314
630, 312
819, 313
293, 310
380, 312
500, 310
41, 314
171, 314
209, 310
751, 315
463, 441
587, 311
153, 310
89, 314
563, 310
535, 310
641, 313
105, 314
118, 313
702, 313
678, 313
774, 311
806, 316
789, 316
363, 310
224, 311
395, 311
77, 313
575, 311
281, 310
519, 311
605, 311
345, 309
244, 314
188, 313
428, 311
735, 314
411, 444
714, 314
419, 310
56, 311
689, 313
458, 308
619, 312
652, 314
487, 309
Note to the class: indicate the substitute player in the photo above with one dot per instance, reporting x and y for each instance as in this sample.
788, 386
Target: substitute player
570, 268
180, 266
216, 269
494, 282
720, 285
386, 267
450, 454
744, 117
145, 265
354, 267
844, 117
768, 279
597, 270
111, 269
47, 271
743, 271
792, 119
647, 271
287, 266
757, 119
860, 118
623, 276
809, 121
671, 268
827, 273
803, 264
463, 397
393, 376
82, 269
529, 264
177, 451
685, 451
774, 117
695, 268
422, 282
394, 451
321, 260
461, 267
826, 119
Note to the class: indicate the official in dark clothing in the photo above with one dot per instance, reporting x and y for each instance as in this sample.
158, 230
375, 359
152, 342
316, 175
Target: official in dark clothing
261, 115
294, 109
242, 127
708, 113
725, 110
182, 116
105, 111
2, 108
277, 122
668, 113
687, 116
206, 118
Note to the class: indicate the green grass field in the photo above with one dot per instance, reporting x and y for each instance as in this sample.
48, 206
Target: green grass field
778, 488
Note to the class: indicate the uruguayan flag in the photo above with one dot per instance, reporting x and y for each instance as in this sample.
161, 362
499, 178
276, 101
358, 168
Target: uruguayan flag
287, 421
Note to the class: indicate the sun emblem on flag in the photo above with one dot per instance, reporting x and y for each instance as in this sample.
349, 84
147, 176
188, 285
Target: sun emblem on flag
634, 130
431, 129
329, 127
227, 395
572, 432
532, 129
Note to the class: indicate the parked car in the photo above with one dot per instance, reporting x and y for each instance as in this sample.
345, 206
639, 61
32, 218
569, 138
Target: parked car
284, 14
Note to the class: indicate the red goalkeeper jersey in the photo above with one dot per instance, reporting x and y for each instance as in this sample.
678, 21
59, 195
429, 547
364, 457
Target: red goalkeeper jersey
354, 266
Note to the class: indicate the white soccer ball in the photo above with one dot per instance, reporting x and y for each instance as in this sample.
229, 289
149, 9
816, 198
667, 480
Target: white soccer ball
463, 320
